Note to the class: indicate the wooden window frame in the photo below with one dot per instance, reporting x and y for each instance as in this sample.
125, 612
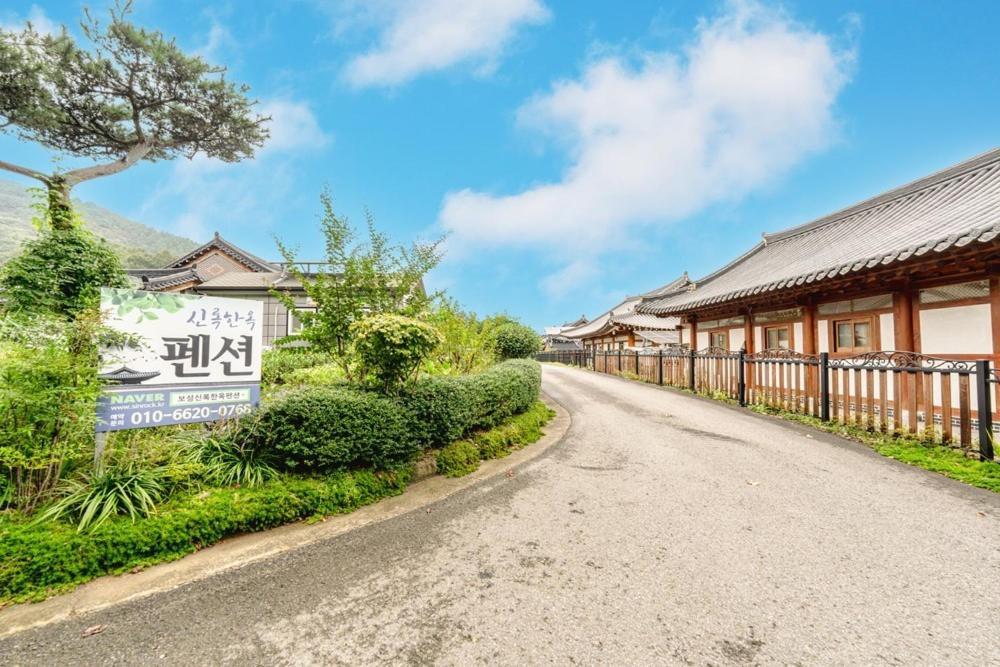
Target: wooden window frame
790, 326
712, 333
873, 322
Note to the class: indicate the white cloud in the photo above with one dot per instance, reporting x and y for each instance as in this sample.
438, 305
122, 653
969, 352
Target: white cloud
569, 277
653, 141
432, 35
36, 16
201, 192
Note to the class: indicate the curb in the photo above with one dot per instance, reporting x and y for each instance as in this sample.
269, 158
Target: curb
235, 552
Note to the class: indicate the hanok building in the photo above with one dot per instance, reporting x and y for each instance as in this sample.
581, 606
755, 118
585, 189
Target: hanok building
219, 268
554, 341
623, 328
914, 269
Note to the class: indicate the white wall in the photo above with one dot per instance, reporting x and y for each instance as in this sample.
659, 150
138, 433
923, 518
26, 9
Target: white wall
758, 339
886, 332
958, 330
702, 340
797, 335
736, 339
823, 335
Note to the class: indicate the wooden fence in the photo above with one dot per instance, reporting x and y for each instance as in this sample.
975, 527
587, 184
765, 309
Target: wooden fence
900, 393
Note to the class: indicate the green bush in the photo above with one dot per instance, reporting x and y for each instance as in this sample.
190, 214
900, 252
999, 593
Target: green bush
391, 347
515, 433
516, 341
48, 394
96, 496
458, 459
60, 272
37, 559
328, 429
279, 363
324, 374
447, 408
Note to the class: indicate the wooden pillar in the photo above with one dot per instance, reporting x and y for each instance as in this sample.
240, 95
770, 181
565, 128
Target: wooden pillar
693, 325
902, 322
748, 333
809, 329
631, 339
995, 316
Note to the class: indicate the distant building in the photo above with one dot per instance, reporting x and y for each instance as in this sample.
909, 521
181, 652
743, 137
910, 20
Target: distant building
554, 341
219, 268
623, 328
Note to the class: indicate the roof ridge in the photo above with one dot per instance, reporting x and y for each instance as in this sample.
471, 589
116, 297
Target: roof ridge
936, 178
231, 249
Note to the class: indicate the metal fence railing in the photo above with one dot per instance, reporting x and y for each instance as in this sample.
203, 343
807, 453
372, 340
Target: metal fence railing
943, 401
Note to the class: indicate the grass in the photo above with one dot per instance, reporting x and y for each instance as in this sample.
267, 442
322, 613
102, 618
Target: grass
943, 460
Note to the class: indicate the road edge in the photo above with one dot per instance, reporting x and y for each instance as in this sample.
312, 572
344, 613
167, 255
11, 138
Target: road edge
242, 550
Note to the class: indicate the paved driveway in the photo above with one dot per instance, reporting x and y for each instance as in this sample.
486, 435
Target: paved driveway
664, 530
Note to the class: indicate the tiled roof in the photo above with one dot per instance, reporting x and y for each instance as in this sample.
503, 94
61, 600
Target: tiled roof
951, 208
161, 282
660, 337
640, 321
247, 280
219, 243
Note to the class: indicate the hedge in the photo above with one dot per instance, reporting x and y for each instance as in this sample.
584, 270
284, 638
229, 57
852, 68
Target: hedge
330, 429
448, 408
37, 559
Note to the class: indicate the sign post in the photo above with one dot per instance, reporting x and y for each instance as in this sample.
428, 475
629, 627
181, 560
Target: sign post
190, 358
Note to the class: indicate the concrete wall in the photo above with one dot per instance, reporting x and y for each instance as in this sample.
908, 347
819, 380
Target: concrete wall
957, 330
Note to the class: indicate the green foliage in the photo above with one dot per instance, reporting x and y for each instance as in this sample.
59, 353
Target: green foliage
230, 460
466, 341
48, 393
37, 559
133, 95
516, 341
458, 459
515, 433
278, 364
95, 497
358, 279
391, 347
317, 376
60, 272
447, 408
327, 429
463, 456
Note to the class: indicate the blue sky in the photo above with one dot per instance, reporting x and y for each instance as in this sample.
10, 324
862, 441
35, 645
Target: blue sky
573, 151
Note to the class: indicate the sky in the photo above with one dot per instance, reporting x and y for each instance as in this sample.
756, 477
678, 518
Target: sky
572, 152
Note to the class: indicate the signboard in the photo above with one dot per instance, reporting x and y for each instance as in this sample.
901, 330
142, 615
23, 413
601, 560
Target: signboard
190, 358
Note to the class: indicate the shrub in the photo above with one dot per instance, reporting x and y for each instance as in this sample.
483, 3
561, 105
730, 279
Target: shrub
447, 408
36, 558
458, 459
279, 363
97, 496
48, 393
513, 434
324, 374
391, 347
327, 429
60, 272
516, 341
228, 461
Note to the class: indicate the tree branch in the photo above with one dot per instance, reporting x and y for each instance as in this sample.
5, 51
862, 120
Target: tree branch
135, 153
24, 171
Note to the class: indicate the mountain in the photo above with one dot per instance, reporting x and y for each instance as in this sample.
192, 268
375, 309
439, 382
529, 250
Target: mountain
138, 244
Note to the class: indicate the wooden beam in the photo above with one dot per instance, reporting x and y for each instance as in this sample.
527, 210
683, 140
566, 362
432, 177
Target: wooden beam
748, 332
693, 344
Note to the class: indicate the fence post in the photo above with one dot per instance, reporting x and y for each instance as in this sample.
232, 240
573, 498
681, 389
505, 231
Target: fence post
659, 367
637, 362
741, 375
824, 386
983, 389
619, 360
691, 384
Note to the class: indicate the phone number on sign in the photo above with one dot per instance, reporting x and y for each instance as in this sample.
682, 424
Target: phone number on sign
144, 417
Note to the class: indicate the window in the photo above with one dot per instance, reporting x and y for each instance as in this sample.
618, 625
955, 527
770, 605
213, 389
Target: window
719, 339
853, 335
294, 323
777, 338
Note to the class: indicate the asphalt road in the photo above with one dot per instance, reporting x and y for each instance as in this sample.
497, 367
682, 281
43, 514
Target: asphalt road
664, 529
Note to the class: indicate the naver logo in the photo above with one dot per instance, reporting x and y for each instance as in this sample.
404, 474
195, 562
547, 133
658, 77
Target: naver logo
128, 399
